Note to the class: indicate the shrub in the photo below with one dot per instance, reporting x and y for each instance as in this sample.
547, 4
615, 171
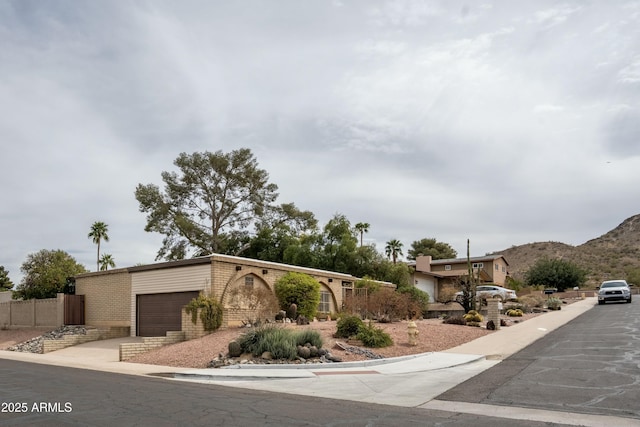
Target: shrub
455, 320
309, 336
530, 301
282, 343
389, 305
210, 311
276, 340
299, 289
446, 295
419, 300
554, 303
348, 326
374, 337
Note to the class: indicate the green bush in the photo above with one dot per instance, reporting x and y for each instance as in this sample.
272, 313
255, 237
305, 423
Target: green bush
348, 326
374, 337
210, 311
282, 343
299, 289
309, 336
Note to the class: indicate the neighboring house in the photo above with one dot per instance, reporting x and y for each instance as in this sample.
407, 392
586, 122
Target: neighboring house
149, 298
432, 275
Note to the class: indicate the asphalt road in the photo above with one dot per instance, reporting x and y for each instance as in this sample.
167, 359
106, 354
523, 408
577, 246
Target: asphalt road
591, 365
42, 395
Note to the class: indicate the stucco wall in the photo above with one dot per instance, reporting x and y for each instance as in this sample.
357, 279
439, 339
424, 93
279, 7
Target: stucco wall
34, 313
107, 297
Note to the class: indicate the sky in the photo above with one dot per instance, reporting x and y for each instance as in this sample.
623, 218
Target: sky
502, 122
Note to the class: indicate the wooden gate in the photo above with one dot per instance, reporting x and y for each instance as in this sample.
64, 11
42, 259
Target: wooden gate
74, 309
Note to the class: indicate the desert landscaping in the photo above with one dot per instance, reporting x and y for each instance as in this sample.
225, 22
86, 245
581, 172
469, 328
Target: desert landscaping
434, 335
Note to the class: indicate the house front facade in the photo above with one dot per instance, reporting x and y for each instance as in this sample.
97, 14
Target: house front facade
149, 298
433, 275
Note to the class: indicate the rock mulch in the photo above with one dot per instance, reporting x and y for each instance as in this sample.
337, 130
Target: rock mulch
323, 356
35, 345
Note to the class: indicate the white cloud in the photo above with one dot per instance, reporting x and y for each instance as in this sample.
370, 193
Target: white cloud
425, 119
631, 72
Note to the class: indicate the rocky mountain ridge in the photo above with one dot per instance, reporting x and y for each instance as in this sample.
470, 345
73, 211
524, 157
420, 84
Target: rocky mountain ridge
610, 256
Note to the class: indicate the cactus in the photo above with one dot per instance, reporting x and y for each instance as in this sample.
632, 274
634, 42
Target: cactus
235, 350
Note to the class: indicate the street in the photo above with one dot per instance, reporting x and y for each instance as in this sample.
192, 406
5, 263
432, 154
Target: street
67, 396
591, 365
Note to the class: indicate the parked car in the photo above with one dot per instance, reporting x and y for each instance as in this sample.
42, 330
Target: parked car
491, 291
614, 290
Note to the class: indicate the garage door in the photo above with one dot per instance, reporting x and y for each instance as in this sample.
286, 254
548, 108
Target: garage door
159, 313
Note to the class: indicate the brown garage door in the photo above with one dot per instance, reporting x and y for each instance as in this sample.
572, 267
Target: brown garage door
159, 313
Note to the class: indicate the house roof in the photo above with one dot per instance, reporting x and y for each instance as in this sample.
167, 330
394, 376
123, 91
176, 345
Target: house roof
464, 260
240, 260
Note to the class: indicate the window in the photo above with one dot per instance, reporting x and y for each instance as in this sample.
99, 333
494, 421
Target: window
325, 302
497, 267
447, 267
248, 281
478, 265
504, 269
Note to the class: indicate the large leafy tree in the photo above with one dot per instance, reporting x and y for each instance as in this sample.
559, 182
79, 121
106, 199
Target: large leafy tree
429, 246
45, 274
338, 244
5, 282
393, 249
555, 273
207, 206
99, 231
282, 226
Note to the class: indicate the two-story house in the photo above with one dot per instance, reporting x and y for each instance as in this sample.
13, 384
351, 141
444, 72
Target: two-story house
431, 275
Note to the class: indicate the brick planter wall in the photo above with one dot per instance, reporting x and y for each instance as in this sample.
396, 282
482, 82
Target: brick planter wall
129, 350
91, 335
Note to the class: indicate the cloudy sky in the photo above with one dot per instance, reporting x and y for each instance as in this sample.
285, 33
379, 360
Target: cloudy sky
504, 122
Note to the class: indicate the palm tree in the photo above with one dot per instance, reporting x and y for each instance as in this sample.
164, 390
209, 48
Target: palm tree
106, 261
99, 232
393, 249
362, 227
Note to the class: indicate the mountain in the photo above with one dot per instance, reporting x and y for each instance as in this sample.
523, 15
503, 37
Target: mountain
610, 256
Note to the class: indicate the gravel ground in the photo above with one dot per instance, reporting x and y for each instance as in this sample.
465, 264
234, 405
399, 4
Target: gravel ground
433, 336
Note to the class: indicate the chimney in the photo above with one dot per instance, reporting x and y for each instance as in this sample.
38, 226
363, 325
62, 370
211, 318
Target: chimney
423, 263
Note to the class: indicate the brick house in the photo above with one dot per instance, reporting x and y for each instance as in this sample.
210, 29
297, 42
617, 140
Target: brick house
148, 299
